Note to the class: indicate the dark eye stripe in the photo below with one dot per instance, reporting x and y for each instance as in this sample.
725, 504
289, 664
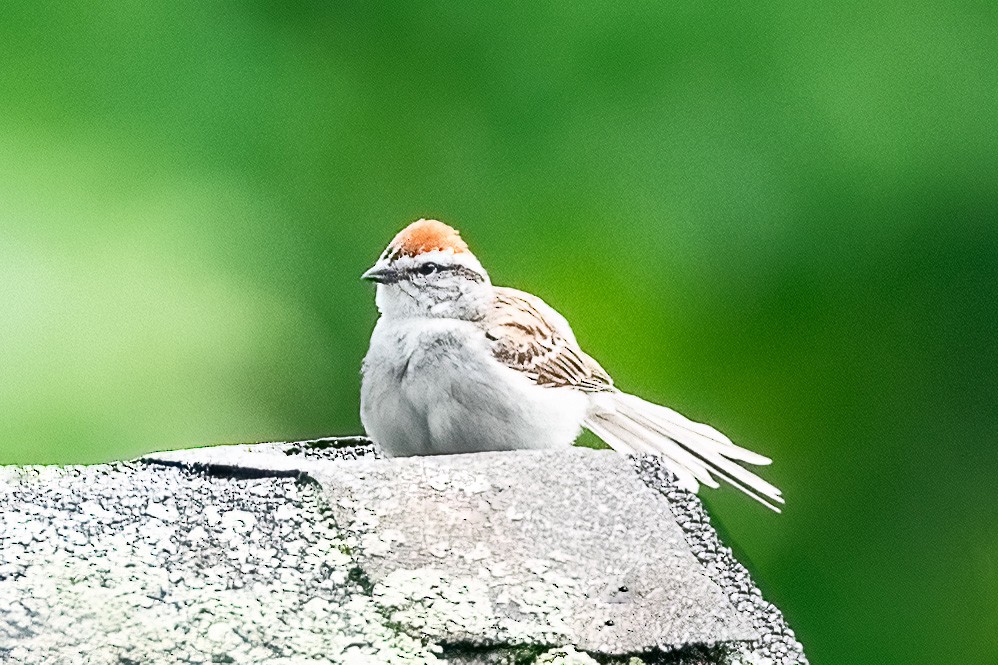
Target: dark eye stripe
421, 269
463, 271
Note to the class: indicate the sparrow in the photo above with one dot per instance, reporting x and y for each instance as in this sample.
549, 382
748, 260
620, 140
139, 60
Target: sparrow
458, 365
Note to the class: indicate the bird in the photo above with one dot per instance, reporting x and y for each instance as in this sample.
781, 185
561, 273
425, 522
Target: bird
459, 365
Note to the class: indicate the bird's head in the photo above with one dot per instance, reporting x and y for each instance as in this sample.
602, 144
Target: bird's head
427, 271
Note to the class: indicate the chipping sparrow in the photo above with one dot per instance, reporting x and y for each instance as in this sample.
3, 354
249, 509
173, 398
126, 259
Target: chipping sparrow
458, 365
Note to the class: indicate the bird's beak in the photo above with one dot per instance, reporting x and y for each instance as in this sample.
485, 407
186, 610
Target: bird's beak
381, 274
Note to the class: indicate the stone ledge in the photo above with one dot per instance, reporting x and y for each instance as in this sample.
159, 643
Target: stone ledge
321, 552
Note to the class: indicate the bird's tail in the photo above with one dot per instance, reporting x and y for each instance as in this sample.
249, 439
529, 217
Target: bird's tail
693, 451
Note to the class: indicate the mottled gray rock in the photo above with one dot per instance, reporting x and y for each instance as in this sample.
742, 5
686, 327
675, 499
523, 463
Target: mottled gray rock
145, 564
319, 552
538, 547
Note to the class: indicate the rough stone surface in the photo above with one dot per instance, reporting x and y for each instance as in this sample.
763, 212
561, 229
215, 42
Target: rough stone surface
544, 547
318, 552
144, 564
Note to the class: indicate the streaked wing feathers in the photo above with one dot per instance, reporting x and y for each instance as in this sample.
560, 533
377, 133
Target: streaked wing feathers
529, 336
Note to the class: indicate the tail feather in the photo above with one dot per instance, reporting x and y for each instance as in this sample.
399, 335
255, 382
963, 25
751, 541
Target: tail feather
624, 442
718, 456
679, 426
694, 452
652, 444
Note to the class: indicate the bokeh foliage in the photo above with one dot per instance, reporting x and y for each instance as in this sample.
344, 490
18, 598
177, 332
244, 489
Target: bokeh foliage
779, 217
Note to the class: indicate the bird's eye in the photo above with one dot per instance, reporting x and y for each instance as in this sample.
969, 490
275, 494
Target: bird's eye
428, 268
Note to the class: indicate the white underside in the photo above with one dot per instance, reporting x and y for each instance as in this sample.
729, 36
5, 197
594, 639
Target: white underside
431, 387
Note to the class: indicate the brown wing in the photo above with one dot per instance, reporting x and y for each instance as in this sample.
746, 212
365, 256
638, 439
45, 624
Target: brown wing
532, 338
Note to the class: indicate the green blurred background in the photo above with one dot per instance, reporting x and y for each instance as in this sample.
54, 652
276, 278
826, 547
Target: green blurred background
780, 218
